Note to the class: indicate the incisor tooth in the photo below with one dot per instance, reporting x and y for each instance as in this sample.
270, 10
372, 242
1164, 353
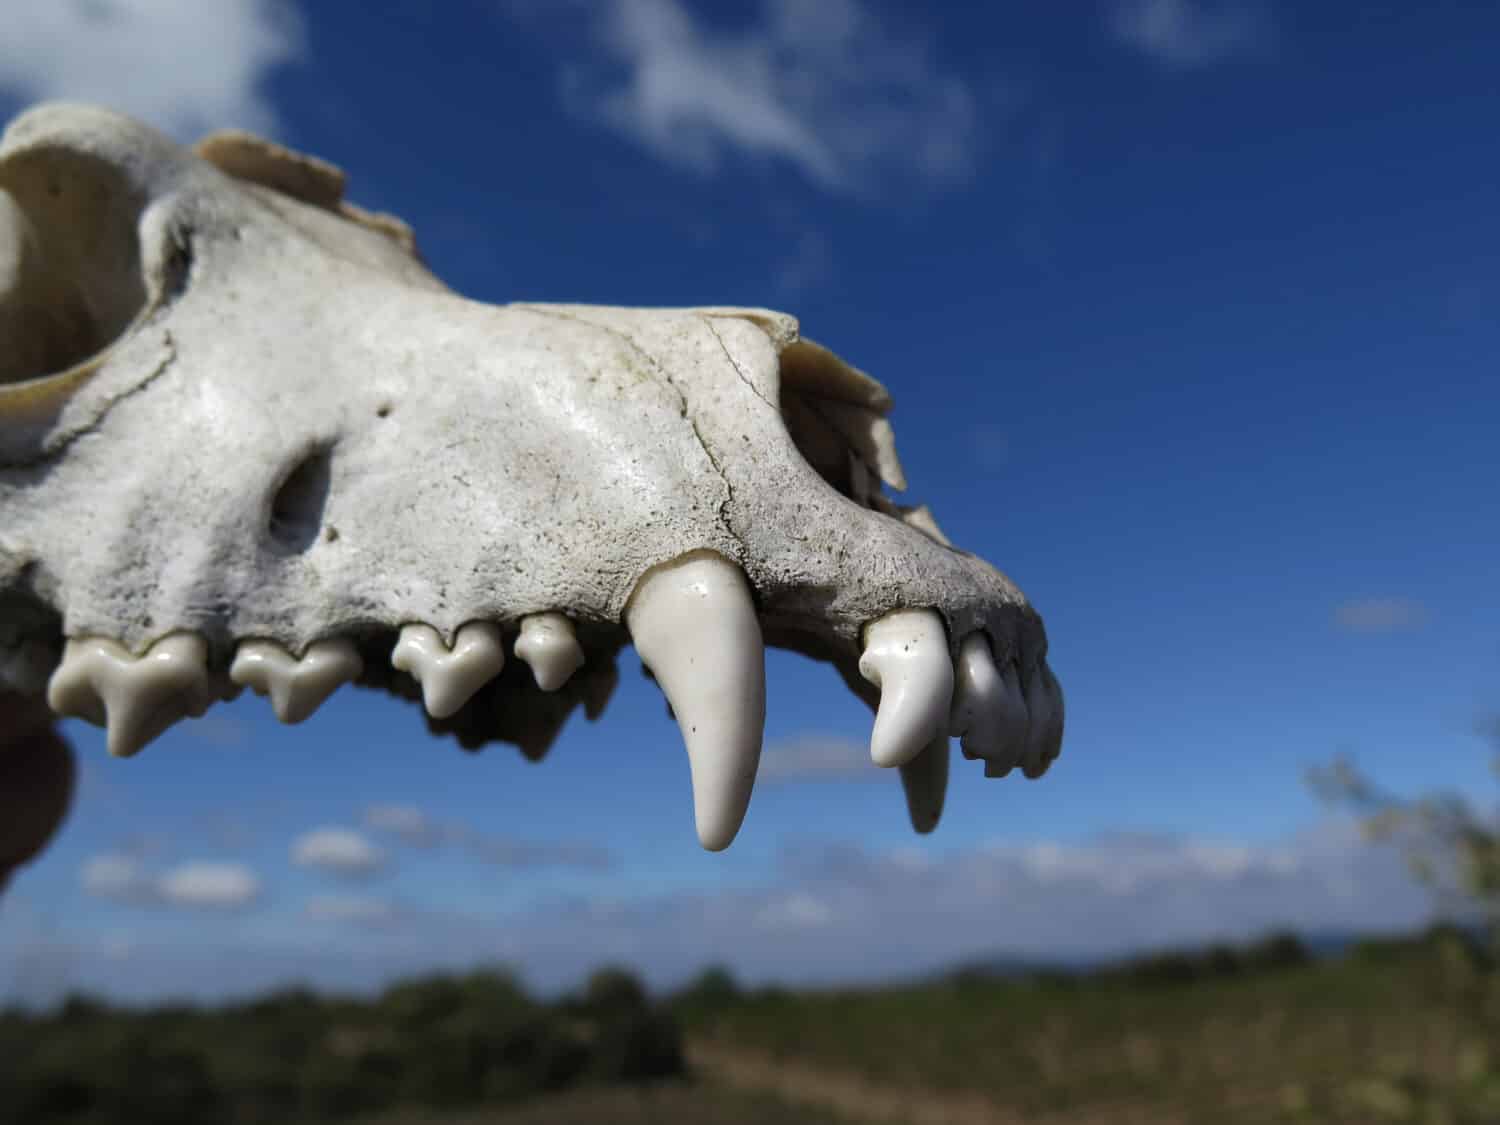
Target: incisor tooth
906, 657
1044, 732
296, 687
449, 678
548, 644
988, 715
693, 623
135, 697
925, 779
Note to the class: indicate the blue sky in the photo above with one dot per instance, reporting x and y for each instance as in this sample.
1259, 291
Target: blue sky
1189, 312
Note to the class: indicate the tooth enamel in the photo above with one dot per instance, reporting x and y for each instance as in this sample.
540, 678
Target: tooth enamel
1044, 731
987, 714
449, 678
548, 644
998, 769
694, 625
296, 687
906, 657
925, 779
135, 697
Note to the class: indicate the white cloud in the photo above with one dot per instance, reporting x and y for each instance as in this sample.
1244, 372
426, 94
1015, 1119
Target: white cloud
1185, 34
199, 885
186, 66
1380, 615
407, 822
817, 757
503, 852
213, 886
825, 86
360, 910
340, 851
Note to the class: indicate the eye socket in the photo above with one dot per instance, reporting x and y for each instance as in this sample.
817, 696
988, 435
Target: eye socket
71, 280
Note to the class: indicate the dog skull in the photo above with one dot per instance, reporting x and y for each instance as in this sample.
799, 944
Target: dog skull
247, 439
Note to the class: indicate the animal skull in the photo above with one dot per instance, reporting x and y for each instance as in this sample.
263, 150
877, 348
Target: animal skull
248, 439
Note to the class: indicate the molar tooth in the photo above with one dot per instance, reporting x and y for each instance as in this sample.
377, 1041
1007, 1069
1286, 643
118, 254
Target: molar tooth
135, 697
989, 712
449, 678
906, 657
694, 625
925, 779
1044, 733
548, 644
296, 687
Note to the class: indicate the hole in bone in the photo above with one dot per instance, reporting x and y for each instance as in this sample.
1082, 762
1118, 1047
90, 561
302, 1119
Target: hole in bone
71, 280
297, 507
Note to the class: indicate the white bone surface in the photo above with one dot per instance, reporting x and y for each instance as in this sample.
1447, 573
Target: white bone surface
550, 648
135, 697
694, 625
450, 677
906, 657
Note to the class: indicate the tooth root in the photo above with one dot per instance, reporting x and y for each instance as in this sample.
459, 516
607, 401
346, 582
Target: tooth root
1044, 704
449, 678
694, 625
135, 697
906, 657
296, 688
988, 713
548, 643
925, 779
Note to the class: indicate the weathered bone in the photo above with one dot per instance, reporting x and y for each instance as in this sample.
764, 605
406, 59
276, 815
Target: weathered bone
235, 407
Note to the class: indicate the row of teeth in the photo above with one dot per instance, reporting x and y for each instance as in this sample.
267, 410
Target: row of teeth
694, 626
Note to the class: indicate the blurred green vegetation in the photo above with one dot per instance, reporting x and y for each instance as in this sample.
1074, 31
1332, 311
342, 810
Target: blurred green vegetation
441, 1041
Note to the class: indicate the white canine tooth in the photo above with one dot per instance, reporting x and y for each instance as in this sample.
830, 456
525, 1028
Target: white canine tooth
135, 697
449, 678
297, 687
925, 779
548, 644
693, 623
988, 713
906, 657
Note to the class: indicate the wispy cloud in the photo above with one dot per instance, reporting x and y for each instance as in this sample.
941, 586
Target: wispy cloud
817, 757
183, 65
197, 885
827, 87
415, 827
407, 823
339, 851
1186, 34
360, 910
1380, 615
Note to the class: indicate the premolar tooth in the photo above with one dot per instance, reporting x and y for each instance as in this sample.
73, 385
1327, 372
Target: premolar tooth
450, 677
1044, 733
906, 657
548, 644
988, 710
135, 697
925, 779
694, 625
297, 687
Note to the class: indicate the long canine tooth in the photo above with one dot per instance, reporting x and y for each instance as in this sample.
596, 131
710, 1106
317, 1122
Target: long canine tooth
988, 713
694, 625
548, 643
925, 779
906, 657
1044, 733
449, 678
297, 688
135, 697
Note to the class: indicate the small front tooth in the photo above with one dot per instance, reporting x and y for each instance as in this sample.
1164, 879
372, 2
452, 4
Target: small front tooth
989, 713
1044, 732
135, 697
449, 678
998, 769
297, 687
693, 623
548, 644
906, 657
925, 779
